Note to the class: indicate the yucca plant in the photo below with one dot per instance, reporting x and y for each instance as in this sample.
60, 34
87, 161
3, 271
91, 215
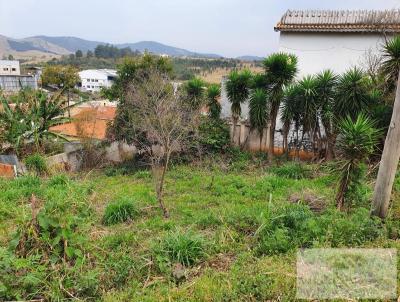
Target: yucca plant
214, 106
391, 62
352, 95
356, 142
195, 92
238, 88
280, 69
290, 114
258, 111
326, 83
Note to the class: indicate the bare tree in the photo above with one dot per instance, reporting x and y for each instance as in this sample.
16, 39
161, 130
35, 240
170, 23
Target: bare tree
164, 124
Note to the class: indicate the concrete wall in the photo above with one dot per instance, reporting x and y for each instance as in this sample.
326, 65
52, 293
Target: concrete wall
15, 83
72, 157
336, 51
249, 139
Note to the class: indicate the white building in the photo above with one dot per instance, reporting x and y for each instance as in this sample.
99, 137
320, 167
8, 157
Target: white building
8, 67
336, 40
94, 79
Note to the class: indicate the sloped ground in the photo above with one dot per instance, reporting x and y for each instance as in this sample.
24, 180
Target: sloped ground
232, 235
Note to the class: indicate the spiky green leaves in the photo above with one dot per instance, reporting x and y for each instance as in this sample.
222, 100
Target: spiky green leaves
352, 94
195, 92
258, 109
214, 107
391, 63
357, 139
237, 88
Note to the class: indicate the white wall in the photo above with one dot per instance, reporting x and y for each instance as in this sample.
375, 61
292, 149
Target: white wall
337, 51
8, 67
93, 80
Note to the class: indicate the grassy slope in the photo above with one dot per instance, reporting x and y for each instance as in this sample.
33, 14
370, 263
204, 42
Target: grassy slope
221, 206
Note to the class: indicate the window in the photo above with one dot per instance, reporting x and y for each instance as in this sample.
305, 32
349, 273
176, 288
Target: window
5, 69
96, 80
14, 69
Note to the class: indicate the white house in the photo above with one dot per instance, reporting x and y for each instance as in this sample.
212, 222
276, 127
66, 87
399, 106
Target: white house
8, 67
94, 79
333, 39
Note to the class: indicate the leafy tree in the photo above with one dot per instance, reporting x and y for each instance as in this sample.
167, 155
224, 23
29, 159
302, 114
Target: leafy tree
238, 88
63, 77
280, 69
78, 54
214, 106
258, 111
131, 70
89, 54
356, 142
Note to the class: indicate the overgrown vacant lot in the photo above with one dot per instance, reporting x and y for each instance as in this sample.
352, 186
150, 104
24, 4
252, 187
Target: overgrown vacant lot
232, 234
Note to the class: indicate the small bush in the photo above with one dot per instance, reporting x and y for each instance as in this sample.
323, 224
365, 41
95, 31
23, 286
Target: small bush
296, 226
185, 248
120, 211
36, 163
291, 170
213, 135
59, 180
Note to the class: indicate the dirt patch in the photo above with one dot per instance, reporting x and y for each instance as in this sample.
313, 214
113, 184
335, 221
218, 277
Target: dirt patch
316, 203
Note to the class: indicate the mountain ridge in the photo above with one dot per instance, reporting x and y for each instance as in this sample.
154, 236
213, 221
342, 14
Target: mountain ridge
62, 45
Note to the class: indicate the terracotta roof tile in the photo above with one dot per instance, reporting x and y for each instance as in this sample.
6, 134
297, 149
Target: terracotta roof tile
340, 21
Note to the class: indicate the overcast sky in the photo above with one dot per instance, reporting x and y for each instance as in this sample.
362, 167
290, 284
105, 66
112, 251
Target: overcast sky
227, 27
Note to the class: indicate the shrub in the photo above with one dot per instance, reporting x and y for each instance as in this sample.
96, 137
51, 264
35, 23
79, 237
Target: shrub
291, 170
296, 226
214, 135
36, 163
185, 248
120, 211
59, 180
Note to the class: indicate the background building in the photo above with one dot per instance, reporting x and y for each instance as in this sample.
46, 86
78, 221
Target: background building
11, 79
335, 39
8, 67
94, 79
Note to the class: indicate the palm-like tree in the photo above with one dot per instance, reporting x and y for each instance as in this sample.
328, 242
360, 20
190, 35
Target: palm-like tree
356, 141
258, 111
352, 95
391, 62
237, 89
280, 70
290, 114
326, 83
195, 92
214, 106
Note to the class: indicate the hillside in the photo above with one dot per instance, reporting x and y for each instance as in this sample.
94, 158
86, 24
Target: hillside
44, 45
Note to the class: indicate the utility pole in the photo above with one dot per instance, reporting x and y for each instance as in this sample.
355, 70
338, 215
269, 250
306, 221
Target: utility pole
389, 161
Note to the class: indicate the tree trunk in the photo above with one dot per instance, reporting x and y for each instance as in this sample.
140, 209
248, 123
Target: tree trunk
274, 114
344, 182
160, 188
389, 162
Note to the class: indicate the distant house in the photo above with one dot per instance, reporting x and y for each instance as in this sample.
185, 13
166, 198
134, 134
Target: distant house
334, 39
9, 67
94, 79
11, 79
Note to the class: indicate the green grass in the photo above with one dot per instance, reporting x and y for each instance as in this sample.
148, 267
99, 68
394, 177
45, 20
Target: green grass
233, 229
